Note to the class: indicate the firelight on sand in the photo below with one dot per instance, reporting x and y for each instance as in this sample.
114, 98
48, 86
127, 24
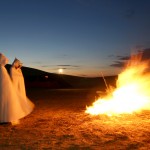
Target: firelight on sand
132, 92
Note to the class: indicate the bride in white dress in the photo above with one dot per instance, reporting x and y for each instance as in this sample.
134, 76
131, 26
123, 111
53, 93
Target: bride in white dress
12, 108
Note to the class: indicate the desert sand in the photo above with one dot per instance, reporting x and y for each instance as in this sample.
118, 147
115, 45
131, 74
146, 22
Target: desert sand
59, 122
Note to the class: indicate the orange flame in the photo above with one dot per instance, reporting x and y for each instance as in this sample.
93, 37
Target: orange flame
132, 93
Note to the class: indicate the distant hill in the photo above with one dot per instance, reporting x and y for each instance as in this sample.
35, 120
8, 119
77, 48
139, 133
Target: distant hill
41, 79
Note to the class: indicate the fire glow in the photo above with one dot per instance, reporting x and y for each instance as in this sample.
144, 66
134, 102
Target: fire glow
132, 92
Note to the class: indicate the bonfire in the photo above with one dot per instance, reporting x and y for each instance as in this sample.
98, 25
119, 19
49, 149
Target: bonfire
131, 93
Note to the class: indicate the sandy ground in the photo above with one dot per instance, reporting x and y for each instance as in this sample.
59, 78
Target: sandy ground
59, 122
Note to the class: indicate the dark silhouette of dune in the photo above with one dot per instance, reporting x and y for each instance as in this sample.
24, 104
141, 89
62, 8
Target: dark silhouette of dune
41, 79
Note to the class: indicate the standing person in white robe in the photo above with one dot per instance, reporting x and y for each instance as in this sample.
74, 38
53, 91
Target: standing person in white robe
19, 85
17, 77
11, 109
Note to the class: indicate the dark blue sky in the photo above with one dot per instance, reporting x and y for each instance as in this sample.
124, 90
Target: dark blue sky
84, 37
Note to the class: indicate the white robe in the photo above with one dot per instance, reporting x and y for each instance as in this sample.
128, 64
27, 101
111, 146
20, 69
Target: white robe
19, 85
18, 80
11, 106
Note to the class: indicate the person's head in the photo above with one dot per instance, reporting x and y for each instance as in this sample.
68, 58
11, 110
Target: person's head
3, 59
17, 63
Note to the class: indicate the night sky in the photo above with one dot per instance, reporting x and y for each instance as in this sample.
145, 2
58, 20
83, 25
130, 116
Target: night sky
83, 37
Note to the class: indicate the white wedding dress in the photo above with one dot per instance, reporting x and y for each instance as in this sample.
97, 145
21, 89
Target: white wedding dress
12, 106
